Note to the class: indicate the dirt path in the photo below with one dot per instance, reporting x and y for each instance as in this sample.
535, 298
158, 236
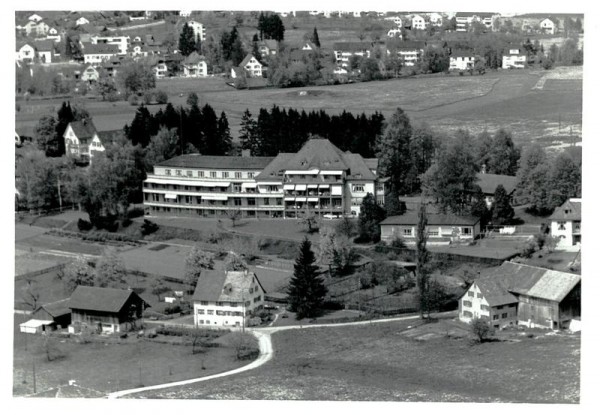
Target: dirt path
266, 351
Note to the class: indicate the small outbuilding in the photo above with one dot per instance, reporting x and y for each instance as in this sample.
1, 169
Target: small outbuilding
441, 228
58, 312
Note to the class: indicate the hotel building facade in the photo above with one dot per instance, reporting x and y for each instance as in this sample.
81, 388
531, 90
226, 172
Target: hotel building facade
319, 179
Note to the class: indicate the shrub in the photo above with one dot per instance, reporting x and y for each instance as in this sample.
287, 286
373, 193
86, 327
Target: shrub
173, 309
481, 329
148, 97
332, 305
149, 227
84, 225
126, 222
135, 213
528, 248
161, 97
398, 243
133, 100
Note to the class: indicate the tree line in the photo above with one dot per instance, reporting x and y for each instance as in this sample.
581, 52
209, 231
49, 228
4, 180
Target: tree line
281, 130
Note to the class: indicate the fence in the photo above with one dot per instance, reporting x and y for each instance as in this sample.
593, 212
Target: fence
40, 272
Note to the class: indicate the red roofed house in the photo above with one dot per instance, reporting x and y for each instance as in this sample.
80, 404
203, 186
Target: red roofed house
227, 298
566, 223
441, 229
81, 140
109, 310
518, 294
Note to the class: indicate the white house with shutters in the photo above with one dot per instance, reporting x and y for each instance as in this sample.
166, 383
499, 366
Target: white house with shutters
547, 26
566, 223
514, 58
418, 22
227, 298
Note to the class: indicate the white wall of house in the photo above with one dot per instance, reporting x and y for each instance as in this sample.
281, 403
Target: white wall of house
513, 61
547, 26
418, 23
45, 56
96, 58
473, 305
356, 191
564, 230
199, 30
462, 63
27, 52
219, 314
254, 68
440, 232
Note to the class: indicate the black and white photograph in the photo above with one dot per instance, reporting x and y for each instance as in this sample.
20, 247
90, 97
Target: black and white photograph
358, 203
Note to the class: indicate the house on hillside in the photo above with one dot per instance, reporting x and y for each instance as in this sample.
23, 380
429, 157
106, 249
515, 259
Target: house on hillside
25, 52
565, 223
548, 27
194, 66
344, 50
464, 20
122, 42
82, 140
396, 33
436, 19
514, 58
489, 182
90, 75
34, 28
418, 22
53, 35
107, 310
199, 30
99, 53
517, 294
268, 47
251, 67
309, 46
45, 50
441, 229
35, 18
227, 298
462, 60
81, 21
409, 51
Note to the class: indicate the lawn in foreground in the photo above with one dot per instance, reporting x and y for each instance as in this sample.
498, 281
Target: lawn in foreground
383, 362
108, 367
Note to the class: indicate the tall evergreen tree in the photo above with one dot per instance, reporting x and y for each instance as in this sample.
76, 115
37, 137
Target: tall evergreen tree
210, 129
502, 211
141, 127
248, 135
503, 156
307, 291
479, 208
368, 219
315, 38
393, 147
65, 116
187, 40
224, 135
393, 206
422, 262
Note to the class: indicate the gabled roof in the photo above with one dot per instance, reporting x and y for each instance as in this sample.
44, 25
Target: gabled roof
83, 129
110, 135
457, 53
20, 44
532, 281
570, 210
352, 46
218, 285
104, 48
193, 59
215, 162
246, 60
269, 43
44, 45
494, 293
274, 170
489, 183
111, 300
56, 309
412, 218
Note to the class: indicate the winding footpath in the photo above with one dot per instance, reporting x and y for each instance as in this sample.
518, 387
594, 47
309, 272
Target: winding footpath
265, 345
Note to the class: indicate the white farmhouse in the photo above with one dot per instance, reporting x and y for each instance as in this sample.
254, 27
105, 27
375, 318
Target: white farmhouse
547, 26
566, 223
227, 298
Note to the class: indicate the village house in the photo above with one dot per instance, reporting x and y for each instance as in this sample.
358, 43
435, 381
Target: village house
565, 223
435, 19
35, 18
309, 46
194, 66
320, 178
25, 52
517, 294
57, 312
548, 27
250, 65
227, 298
90, 75
268, 47
45, 50
82, 21
464, 20
514, 58
53, 35
441, 229
97, 54
418, 22
106, 310
82, 140
409, 51
160, 69
396, 19
462, 60
396, 33
121, 41
489, 182
344, 50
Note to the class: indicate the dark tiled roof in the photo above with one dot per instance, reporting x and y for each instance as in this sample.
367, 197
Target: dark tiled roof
274, 170
358, 168
100, 299
494, 293
57, 308
532, 281
44, 45
351, 46
104, 48
215, 162
489, 182
218, 285
570, 210
462, 52
269, 43
479, 14
411, 218
110, 136
83, 129
193, 59
246, 60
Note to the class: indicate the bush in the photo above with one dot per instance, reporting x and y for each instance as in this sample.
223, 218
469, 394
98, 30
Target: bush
398, 243
332, 305
161, 97
135, 213
126, 222
481, 329
528, 248
148, 97
149, 227
173, 309
133, 100
84, 225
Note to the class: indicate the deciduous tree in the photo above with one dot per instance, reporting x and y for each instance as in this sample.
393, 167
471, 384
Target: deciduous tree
196, 261
502, 211
75, 273
110, 271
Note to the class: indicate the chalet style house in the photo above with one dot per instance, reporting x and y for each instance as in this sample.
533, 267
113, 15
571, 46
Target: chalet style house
82, 140
107, 310
227, 298
566, 223
319, 179
516, 294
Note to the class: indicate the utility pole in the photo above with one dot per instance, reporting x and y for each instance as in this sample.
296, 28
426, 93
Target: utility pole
34, 384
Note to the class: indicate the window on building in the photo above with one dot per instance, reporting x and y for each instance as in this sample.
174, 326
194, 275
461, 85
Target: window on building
200, 311
479, 295
200, 174
358, 188
203, 302
484, 307
250, 175
561, 225
237, 201
504, 315
167, 172
237, 187
210, 312
251, 201
432, 232
467, 313
407, 231
467, 304
213, 174
225, 174
238, 175
177, 172
471, 294
467, 231
189, 173
266, 201
219, 303
495, 317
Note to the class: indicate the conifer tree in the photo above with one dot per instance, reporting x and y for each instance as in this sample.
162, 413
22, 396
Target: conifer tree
187, 40
393, 148
248, 135
502, 211
368, 219
422, 262
224, 135
315, 38
307, 291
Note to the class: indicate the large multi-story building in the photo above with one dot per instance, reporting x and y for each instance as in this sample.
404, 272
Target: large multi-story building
319, 179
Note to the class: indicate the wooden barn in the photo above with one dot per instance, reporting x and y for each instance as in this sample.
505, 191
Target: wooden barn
58, 312
521, 294
106, 310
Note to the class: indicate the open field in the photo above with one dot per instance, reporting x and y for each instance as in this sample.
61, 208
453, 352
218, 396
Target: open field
106, 366
497, 99
390, 362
